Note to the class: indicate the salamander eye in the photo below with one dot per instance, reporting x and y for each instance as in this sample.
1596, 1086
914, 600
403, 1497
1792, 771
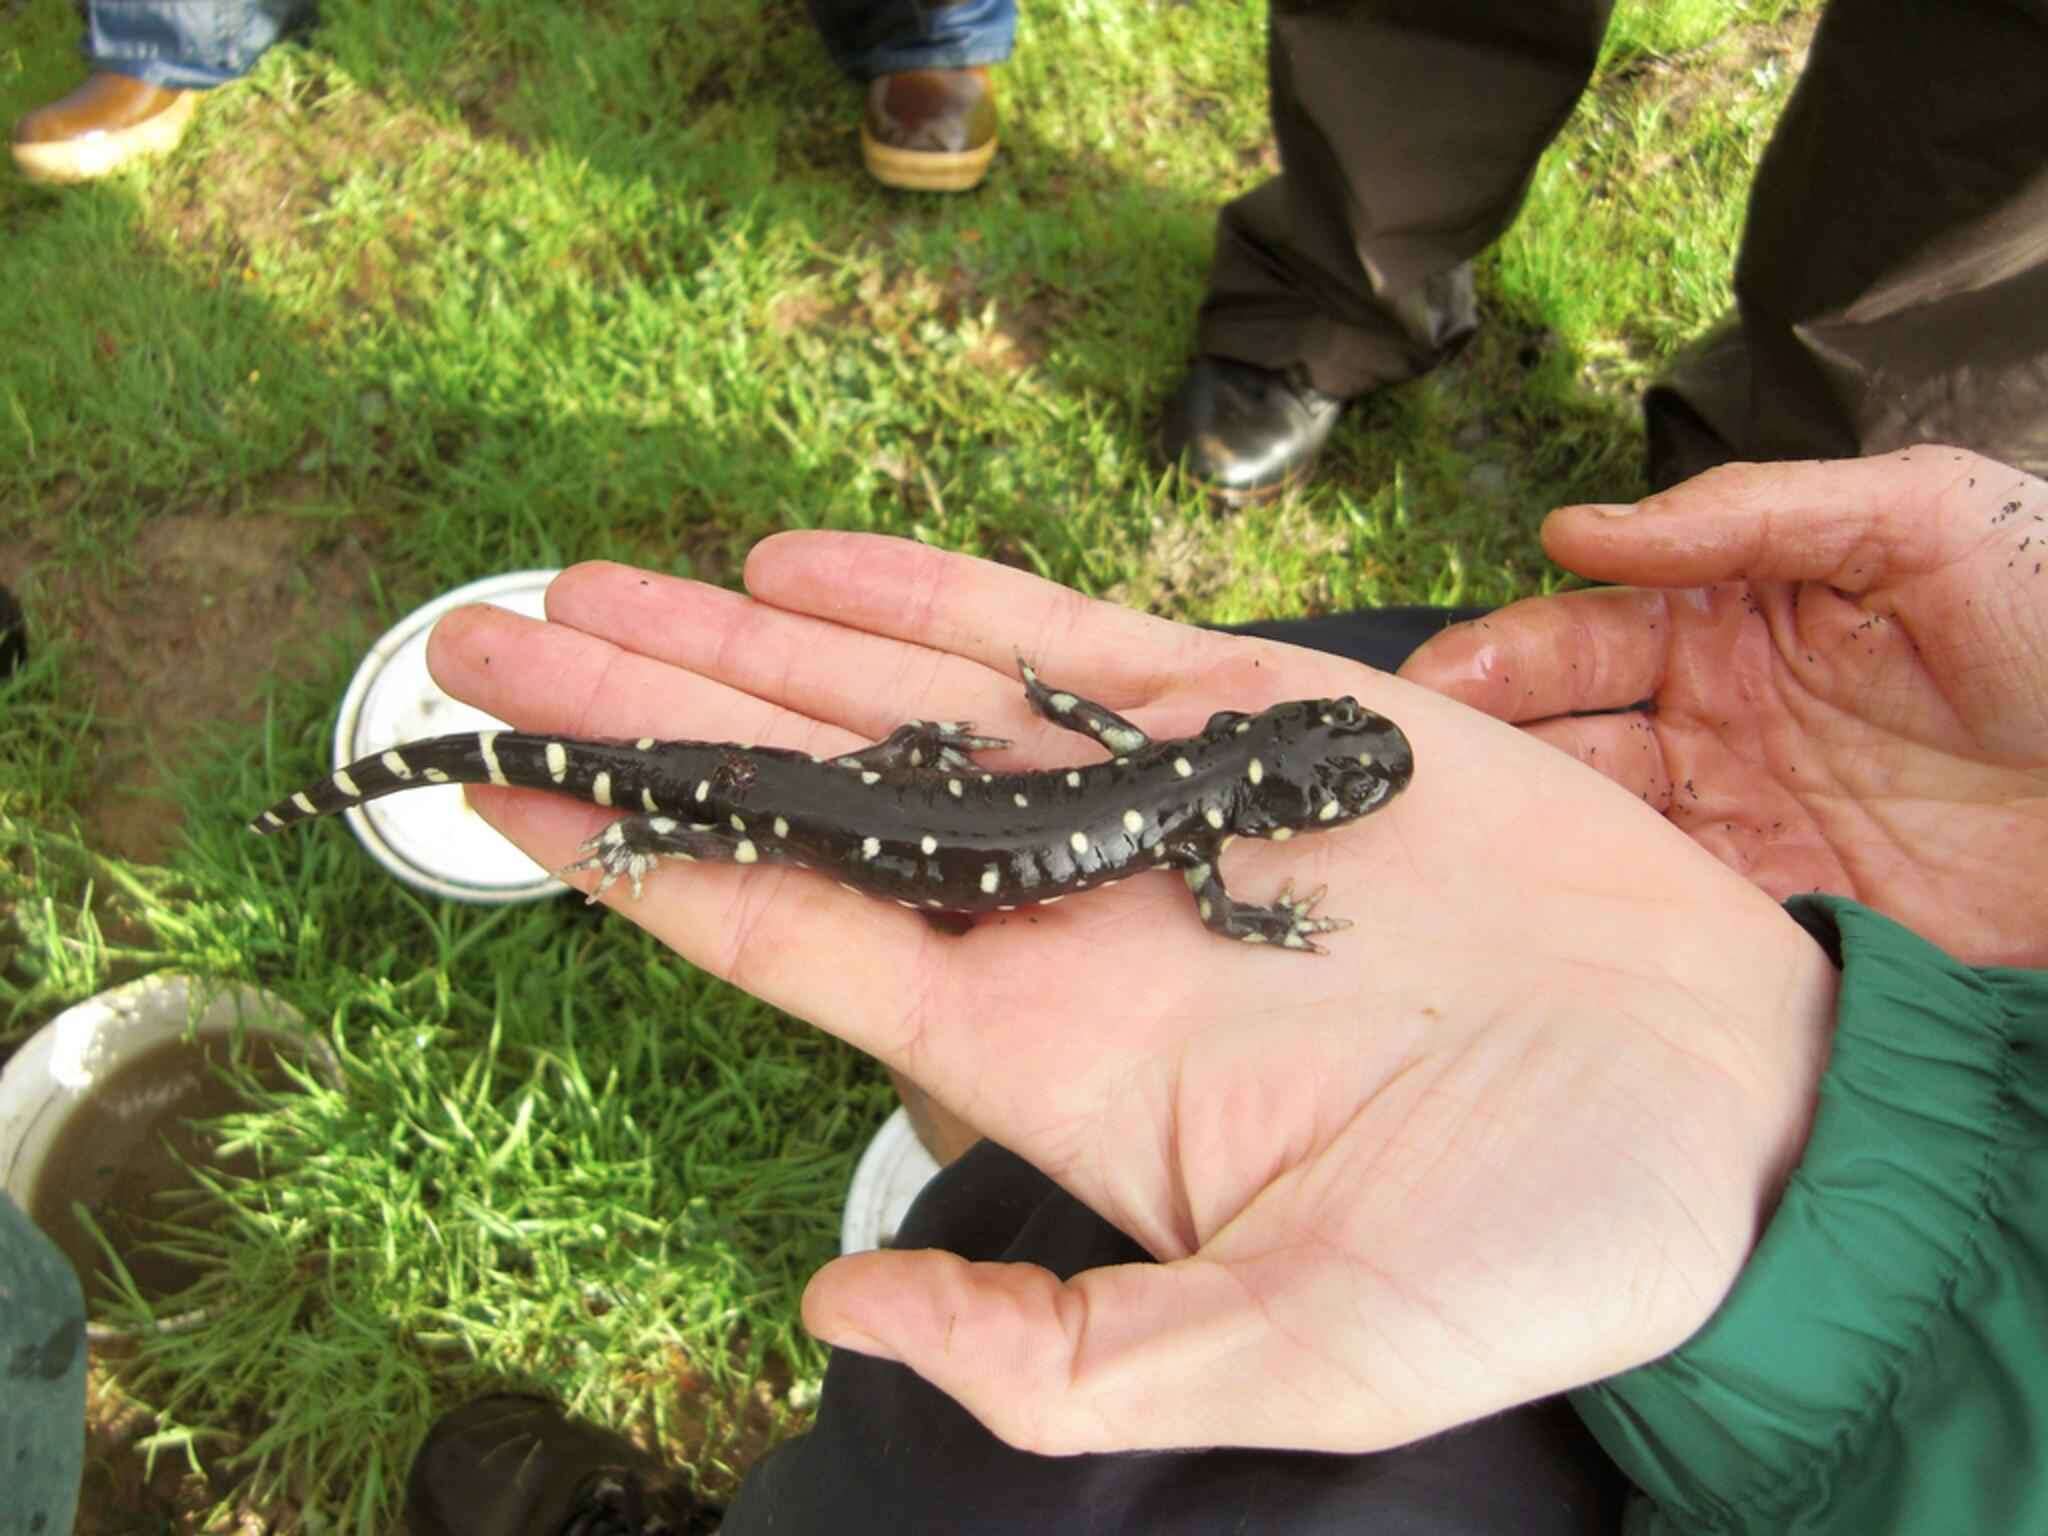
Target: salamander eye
1344, 711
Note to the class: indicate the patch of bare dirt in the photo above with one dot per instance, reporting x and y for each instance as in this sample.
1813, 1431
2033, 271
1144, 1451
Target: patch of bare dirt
269, 184
214, 602
124, 1490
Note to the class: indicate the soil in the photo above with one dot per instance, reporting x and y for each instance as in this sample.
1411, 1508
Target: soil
207, 603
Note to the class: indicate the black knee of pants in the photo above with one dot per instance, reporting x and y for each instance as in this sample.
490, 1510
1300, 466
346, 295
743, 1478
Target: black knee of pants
893, 1454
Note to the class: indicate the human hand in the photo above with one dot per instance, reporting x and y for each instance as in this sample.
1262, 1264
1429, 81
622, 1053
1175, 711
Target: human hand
1849, 669
1518, 1130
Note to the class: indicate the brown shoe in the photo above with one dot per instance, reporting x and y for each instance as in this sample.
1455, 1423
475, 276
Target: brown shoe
930, 130
100, 127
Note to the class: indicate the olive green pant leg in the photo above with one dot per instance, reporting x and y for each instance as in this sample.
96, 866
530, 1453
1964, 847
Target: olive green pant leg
42, 1381
1408, 131
1892, 286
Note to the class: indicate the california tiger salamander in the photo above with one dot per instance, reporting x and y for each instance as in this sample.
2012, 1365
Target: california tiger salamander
915, 818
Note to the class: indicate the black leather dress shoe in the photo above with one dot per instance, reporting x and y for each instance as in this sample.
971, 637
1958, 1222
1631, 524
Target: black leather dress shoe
1245, 433
512, 1465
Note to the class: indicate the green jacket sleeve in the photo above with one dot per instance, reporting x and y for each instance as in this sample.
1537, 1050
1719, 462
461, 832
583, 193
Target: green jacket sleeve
1881, 1366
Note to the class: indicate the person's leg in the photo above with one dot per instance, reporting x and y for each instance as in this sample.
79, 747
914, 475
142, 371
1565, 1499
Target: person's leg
150, 59
1892, 286
867, 38
188, 45
1377, 637
929, 123
890, 1453
1408, 131
42, 1378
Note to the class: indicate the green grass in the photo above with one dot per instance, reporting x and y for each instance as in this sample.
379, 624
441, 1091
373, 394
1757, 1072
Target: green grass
480, 285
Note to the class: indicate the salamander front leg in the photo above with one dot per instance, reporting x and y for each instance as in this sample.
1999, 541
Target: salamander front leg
1075, 713
925, 745
629, 849
1286, 923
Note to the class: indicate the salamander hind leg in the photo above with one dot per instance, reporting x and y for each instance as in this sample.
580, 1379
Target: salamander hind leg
1074, 713
930, 745
630, 848
1285, 923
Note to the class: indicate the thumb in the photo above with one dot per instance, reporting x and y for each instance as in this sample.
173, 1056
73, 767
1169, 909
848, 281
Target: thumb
1130, 1357
1854, 524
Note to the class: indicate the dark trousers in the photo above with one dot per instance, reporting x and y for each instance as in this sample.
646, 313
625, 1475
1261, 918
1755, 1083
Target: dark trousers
890, 1454
1892, 285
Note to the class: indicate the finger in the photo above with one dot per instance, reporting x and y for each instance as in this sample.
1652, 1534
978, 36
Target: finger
1854, 524
1132, 1357
868, 683
1551, 656
989, 612
549, 677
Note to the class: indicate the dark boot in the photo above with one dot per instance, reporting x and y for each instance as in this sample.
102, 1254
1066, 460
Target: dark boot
518, 1466
1244, 433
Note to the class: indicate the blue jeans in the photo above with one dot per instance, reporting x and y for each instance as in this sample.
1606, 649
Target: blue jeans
867, 38
186, 44
42, 1379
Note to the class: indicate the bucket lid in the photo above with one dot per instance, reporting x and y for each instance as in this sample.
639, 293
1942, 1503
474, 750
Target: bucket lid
892, 1172
429, 837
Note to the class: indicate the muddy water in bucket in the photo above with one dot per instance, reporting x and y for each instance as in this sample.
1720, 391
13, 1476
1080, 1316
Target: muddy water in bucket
126, 1156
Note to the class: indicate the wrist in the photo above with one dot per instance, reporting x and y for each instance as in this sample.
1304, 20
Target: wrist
1799, 1037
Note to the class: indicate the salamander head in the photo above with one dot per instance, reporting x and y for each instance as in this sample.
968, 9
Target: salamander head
1321, 763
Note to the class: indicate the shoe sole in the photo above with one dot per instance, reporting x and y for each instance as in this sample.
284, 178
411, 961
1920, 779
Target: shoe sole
101, 154
925, 170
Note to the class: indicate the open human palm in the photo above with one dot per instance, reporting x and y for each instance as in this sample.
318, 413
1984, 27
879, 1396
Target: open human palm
1848, 668
1516, 1131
